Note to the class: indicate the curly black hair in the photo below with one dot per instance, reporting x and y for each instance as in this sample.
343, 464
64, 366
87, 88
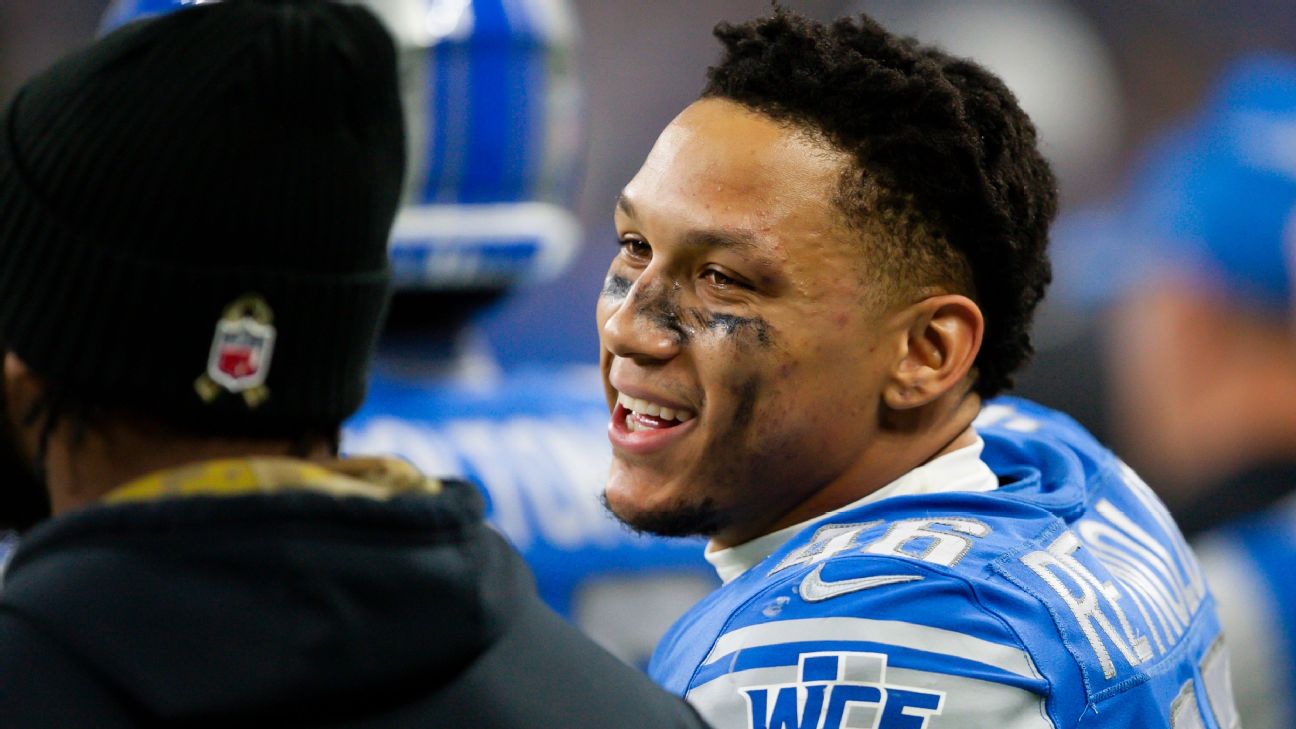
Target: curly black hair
945, 161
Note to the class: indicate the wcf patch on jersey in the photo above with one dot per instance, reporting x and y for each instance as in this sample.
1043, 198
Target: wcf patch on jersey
841, 690
241, 348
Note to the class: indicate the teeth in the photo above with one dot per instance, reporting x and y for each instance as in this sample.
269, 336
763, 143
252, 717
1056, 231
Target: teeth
643, 407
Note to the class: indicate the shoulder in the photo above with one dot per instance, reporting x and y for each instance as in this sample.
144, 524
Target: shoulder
932, 613
1125, 595
1020, 433
1032, 604
537, 674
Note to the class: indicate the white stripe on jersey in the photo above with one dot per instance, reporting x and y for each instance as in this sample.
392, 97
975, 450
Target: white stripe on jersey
889, 632
969, 703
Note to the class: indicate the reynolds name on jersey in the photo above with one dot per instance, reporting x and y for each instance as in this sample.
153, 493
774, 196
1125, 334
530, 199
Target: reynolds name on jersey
1066, 597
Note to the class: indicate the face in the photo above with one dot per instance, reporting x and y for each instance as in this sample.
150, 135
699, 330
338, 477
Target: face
742, 361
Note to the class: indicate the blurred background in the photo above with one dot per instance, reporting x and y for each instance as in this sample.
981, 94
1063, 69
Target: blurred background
1100, 76
1140, 65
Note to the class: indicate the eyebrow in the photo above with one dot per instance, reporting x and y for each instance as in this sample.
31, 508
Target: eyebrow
623, 204
723, 238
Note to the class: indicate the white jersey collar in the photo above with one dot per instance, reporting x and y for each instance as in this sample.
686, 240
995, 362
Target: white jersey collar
959, 470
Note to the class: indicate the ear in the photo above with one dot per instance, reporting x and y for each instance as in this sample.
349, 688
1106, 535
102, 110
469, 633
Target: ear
24, 499
943, 336
23, 389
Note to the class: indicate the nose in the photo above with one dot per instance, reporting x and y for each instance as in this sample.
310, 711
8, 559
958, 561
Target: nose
644, 326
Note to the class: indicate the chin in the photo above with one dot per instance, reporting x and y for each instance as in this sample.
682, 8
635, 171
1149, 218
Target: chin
678, 517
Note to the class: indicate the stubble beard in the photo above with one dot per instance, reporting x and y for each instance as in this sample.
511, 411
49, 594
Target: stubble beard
682, 519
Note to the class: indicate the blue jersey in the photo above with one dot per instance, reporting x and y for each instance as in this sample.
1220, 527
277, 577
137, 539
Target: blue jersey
535, 440
1066, 597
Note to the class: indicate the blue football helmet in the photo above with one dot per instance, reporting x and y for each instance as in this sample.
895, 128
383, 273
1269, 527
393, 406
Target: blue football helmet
493, 107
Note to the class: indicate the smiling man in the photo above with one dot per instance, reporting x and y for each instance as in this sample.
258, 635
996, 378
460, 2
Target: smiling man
827, 265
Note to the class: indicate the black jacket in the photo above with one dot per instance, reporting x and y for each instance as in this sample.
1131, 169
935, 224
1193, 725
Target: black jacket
297, 609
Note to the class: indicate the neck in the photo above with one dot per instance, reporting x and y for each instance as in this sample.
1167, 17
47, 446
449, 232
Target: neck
904, 442
81, 471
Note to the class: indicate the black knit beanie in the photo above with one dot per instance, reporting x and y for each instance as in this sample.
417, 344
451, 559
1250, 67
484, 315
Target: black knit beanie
194, 214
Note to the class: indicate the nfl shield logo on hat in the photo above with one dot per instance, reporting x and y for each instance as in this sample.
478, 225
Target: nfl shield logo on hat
240, 354
239, 360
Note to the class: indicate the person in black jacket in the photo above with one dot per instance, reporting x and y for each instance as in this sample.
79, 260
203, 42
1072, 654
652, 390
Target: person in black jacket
194, 213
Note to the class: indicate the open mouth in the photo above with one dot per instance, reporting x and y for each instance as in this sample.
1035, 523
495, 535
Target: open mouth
642, 426
640, 414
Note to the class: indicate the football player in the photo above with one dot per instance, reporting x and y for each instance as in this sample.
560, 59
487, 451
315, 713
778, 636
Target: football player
827, 268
